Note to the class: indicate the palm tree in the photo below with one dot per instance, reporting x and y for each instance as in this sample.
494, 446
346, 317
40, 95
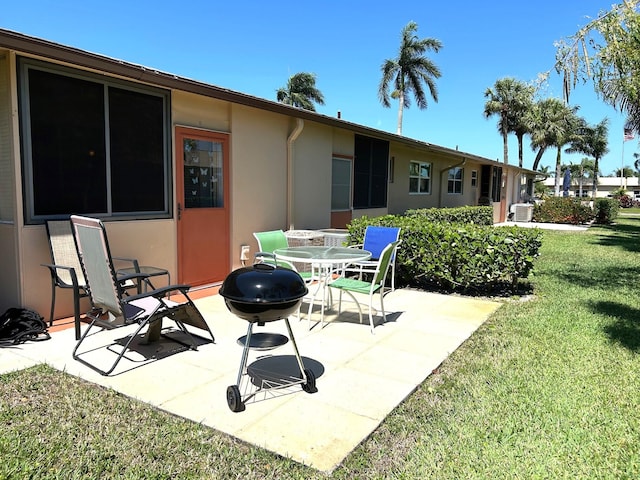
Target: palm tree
593, 142
636, 163
582, 171
301, 92
548, 119
626, 172
409, 71
511, 100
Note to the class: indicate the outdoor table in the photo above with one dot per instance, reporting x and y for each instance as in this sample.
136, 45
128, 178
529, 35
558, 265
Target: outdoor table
327, 260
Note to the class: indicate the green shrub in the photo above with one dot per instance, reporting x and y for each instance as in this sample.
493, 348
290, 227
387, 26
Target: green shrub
456, 256
482, 215
563, 210
606, 210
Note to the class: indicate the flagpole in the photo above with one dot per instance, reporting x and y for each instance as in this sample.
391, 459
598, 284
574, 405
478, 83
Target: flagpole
622, 166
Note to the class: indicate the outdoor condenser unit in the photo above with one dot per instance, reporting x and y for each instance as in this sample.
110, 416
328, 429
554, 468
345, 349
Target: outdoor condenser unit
523, 212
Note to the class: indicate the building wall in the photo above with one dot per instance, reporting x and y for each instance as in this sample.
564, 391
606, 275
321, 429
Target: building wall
312, 154
259, 181
258, 175
606, 186
9, 264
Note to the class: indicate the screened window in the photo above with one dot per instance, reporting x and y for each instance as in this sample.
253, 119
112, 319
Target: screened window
340, 184
92, 145
419, 177
370, 172
474, 178
454, 183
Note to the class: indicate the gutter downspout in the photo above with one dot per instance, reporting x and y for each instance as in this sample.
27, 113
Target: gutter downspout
290, 195
446, 169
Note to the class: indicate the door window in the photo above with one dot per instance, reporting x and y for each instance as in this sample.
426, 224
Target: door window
203, 164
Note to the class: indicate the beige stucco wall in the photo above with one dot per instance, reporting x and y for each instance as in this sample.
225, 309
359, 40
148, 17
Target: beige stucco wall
401, 200
312, 153
343, 142
258, 175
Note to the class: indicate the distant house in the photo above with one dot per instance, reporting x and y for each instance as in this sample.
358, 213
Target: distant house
606, 186
183, 172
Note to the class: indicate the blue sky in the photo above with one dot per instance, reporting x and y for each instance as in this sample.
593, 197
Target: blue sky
254, 46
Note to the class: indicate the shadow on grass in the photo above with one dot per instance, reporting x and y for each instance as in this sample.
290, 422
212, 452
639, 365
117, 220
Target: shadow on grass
624, 328
607, 277
624, 235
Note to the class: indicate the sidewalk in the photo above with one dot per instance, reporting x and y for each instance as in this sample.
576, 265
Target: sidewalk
361, 377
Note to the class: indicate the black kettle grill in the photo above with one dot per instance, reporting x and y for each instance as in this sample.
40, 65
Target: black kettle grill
259, 294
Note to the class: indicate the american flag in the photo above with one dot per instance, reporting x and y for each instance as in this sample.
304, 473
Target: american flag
628, 134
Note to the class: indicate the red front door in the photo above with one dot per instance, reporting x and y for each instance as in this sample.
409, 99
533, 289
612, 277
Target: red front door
202, 159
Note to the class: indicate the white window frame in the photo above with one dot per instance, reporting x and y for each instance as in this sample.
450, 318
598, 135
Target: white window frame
454, 184
420, 168
341, 187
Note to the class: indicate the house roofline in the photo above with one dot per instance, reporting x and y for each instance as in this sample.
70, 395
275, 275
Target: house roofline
36, 46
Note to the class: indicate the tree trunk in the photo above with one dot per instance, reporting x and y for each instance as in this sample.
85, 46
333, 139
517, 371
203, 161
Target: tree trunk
505, 145
520, 155
558, 174
400, 109
536, 162
581, 180
595, 178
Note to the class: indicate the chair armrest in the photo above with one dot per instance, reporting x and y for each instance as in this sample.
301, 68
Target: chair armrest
132, 276
357, 245
132, 261
159, 292
53, 269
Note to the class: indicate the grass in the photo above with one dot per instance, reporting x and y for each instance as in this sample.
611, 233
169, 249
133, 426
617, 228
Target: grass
547, 388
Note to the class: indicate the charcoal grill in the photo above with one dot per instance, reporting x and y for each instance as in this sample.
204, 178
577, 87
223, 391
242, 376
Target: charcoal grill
260, 294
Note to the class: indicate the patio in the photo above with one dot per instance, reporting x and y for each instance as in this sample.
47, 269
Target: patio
357, 383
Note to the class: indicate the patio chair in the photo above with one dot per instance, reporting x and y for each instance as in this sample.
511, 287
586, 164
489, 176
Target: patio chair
353, 285
66, 271
113, 308
375, 240
270, 241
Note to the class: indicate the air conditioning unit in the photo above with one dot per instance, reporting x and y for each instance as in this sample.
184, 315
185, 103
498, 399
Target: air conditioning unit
522, 212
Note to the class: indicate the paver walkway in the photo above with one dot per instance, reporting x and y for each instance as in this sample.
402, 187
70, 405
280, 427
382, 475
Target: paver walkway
361, 377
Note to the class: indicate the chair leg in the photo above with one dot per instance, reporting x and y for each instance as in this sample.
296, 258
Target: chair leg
53, 303
393, 278
76, 310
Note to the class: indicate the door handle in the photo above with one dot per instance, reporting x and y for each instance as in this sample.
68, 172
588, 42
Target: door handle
179, 211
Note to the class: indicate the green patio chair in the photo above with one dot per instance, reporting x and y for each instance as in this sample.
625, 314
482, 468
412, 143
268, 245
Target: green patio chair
353, 285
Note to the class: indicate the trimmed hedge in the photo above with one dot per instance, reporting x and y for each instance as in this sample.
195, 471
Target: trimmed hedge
606, 210
474, 215
455, 256
563, 210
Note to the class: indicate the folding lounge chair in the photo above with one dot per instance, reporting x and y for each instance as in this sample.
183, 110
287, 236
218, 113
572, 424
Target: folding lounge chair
66, 271
376, 238
112, 308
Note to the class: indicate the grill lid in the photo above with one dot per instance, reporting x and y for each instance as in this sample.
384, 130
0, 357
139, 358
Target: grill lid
263, 284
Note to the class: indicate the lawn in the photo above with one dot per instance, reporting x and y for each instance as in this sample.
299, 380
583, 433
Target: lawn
547, 388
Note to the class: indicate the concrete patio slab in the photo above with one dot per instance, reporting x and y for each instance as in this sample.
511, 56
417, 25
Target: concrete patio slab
360, 377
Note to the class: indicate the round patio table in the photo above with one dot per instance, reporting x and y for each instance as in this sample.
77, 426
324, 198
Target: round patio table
326, 260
